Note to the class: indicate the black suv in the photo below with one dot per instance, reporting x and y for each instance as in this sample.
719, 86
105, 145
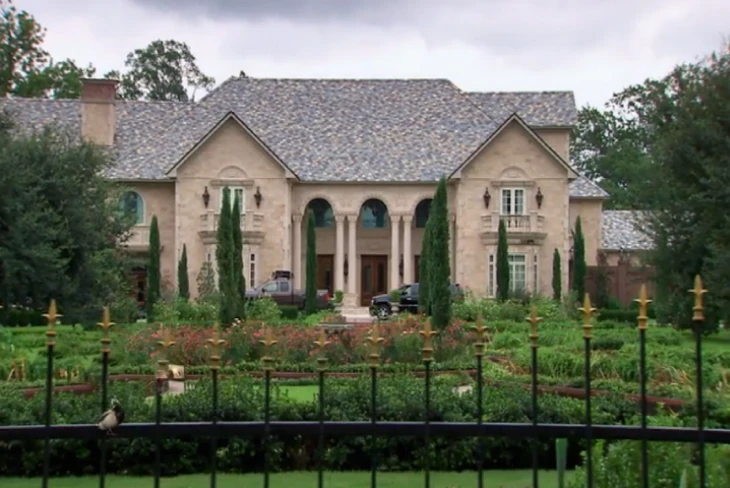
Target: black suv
380, 305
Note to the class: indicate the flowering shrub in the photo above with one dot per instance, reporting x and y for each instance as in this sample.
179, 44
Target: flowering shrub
402, 343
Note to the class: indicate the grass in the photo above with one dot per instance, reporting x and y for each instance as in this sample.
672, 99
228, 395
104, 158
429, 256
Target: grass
357, 479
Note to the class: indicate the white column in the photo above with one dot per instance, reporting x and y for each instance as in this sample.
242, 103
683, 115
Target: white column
352, 254
340, 252
407, 253
452, 246
297, 265
394, 251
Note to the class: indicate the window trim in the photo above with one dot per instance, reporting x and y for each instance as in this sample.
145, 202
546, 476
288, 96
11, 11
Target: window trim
142, 217
252, 270
513, 192
512, 281
233, 193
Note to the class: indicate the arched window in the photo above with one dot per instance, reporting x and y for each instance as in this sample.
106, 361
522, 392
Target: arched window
423, 209
324, 217
132, 205
374, 214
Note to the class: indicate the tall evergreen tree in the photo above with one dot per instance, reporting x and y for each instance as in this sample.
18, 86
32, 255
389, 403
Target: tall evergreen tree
237, 257
224, 257
153, 270
579, 260
183, 285
603, 294
424, 268
310, 299
557, 277
502, 264
440, 268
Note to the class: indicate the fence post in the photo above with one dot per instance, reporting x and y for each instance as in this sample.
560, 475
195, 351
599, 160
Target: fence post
321, 367
51, 317
481, 332
643, 301
587, 311
374, 357
427, 355
268, 365
215, 364
698, 318
534, 320
105, 324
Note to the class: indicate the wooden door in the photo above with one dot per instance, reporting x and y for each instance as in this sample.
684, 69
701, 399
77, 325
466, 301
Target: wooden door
373, 277
326, 272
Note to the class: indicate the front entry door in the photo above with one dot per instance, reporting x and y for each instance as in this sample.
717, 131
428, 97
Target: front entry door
326, 272
373, 277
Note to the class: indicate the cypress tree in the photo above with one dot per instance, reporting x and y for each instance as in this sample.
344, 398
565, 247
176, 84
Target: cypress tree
153, 270
424, 267
239, 281
440, 268
183, 285
557, 277
579, 260
502, 264
310, 298
224, 257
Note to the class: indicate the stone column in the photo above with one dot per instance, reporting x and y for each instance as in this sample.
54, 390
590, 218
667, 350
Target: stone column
394, 251
297, 261
407, 252
340, 252
452, 246
352, 255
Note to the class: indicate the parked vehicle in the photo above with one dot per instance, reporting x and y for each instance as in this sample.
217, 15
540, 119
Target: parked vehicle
381, 306
282, 291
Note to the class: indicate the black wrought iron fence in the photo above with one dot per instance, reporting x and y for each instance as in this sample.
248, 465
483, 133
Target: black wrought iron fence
373, 429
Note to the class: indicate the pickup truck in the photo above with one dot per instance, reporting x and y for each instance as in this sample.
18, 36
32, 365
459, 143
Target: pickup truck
282, 291
380, 305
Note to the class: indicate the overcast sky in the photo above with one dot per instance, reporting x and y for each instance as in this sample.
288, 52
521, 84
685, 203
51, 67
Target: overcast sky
593, 47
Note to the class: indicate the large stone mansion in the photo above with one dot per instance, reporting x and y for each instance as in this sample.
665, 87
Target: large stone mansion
365, 156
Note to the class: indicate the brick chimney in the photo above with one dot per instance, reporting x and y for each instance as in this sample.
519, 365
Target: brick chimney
98, 111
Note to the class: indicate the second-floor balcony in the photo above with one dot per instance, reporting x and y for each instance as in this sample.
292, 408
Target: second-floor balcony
252, 225
139, 238
526, 226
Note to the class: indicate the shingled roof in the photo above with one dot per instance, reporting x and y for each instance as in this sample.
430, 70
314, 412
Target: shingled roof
324, 130
621, 229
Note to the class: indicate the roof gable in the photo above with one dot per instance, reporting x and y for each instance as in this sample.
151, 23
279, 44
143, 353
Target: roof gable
230, 116
514, 119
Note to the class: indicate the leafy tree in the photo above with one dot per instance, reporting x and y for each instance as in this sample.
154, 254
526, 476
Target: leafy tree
182, 275
237, 239
310, 297
60, 224
579, 260
153, 270
26, 69
424, 268
502, 264
224, 254
440, 270
164, 70
557, 277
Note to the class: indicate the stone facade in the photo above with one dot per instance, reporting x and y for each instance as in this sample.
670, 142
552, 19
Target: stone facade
514, 167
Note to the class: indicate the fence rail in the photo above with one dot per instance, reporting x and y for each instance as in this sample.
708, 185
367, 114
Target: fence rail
373, 429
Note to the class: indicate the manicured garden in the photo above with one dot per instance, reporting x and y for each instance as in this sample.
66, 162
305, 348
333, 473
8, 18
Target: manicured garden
134, 352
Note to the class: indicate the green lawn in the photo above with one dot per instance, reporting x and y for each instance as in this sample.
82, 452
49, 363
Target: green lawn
300, 393
492, 479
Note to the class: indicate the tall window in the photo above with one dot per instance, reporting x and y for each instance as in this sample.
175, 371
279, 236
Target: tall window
517, 272
324, 217
491, 277
252, 270
237, 191
423, 209
132, 205
513, 201
535, 274
374, 214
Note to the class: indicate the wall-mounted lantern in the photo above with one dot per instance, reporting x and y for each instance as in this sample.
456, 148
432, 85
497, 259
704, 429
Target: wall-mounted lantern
206, 197
539, 198
258, 197
487, 197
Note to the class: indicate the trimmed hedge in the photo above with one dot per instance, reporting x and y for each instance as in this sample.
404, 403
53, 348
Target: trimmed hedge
399, 399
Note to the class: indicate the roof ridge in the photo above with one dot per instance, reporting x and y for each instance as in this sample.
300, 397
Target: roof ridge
542, 92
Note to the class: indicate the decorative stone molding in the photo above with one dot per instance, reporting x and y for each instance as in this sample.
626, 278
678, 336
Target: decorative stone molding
218, 183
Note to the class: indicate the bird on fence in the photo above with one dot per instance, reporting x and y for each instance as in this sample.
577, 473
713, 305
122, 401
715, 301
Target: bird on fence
112, 418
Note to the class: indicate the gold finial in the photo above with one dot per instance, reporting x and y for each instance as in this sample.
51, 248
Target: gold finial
643, 301
481, 331
164, 345
374, 339
533, 319
105, 324
268, 341
428, 334
215, 343
698, 309
587, 311
51, 316
321, 343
